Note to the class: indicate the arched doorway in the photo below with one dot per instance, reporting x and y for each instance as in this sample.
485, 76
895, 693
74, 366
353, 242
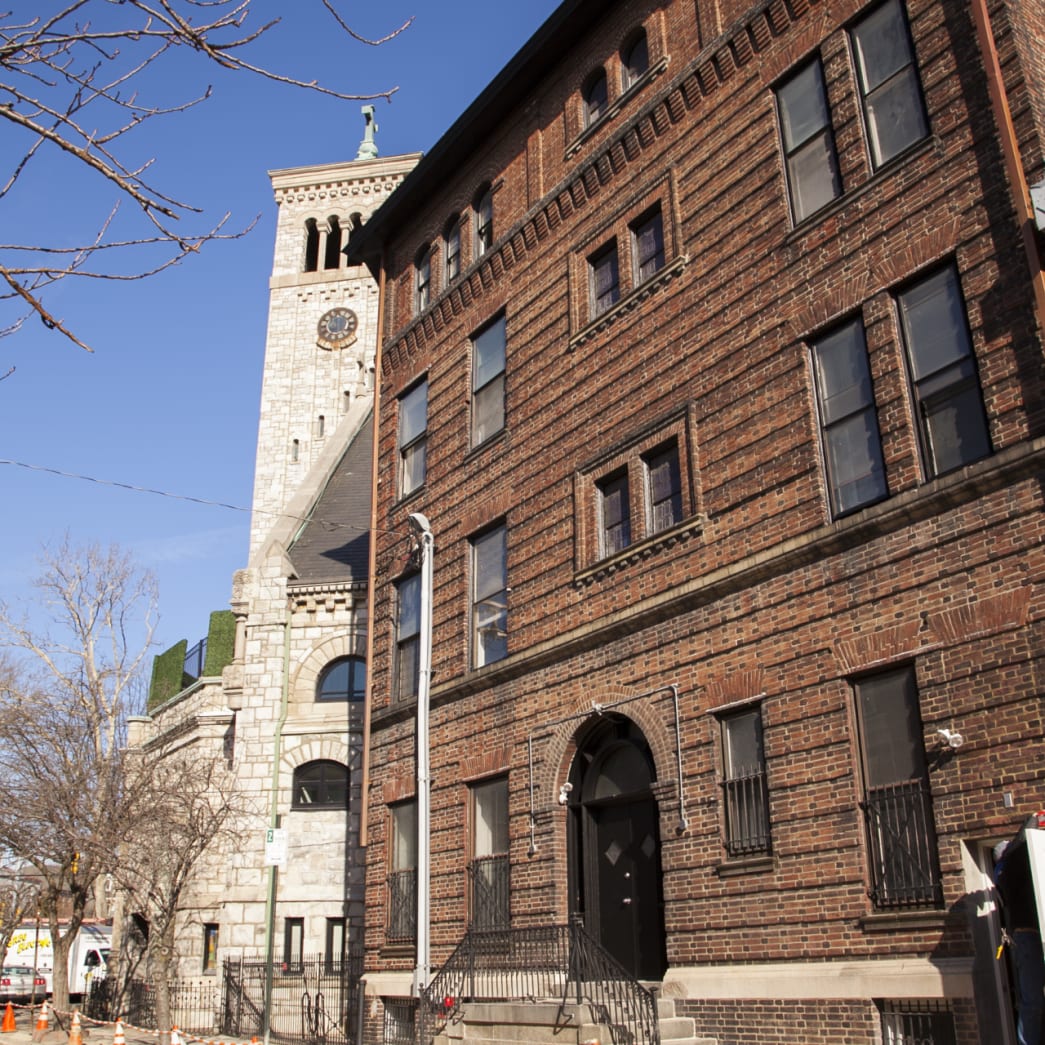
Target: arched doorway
614, 845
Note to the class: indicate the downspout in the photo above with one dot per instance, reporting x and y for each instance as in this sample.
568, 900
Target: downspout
371, 594
277, 752
1011, 153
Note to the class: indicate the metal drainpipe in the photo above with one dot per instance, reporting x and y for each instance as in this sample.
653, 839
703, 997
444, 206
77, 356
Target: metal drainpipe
1011, 152
424, 674
274, 820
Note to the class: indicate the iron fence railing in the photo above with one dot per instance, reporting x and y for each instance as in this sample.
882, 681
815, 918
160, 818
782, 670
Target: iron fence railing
194, 1005
557, 963
195, 658
316, 1003
489, 889
747, 814
904, 859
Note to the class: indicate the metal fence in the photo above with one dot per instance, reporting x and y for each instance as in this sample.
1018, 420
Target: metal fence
194, 1005
318, 1002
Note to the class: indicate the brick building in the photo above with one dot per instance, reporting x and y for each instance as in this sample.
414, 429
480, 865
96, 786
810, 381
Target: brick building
712, 352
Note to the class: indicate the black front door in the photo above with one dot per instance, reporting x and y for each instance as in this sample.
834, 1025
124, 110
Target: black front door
627, 882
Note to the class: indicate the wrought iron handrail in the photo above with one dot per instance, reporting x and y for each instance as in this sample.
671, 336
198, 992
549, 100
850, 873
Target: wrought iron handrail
556, 963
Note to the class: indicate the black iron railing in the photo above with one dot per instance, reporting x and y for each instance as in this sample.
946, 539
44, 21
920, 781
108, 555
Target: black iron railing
489, 889
747, 814
194, 1006
402, 906
195, 658
905, 866
555, 963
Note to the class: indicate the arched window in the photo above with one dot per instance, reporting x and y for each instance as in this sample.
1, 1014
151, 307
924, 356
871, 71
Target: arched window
311, 245
634, 59
422, 281
332, 260
483, 222
320, 785
596, 97
342, 679
452, 248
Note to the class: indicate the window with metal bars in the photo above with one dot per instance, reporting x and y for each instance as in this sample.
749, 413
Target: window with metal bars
744, 786
914, 1022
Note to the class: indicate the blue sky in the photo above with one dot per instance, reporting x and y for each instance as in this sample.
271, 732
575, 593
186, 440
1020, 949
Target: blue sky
169, 398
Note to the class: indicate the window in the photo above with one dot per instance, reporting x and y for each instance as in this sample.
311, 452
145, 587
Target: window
483, 222
489, 597
320, 785
809, 144
745, 793
663, 489
927, 1022
596, 98
400, 1021
488, 381
408, 636
945, 382
488, 870
294, 945
210, 948
335, 944
647, 241
894, 113
422, 281
413, 438
634, 61
342, 679
452, 249
604, 279
332, 254
848, 419
615, 513
311, 245
897, 802
402, 877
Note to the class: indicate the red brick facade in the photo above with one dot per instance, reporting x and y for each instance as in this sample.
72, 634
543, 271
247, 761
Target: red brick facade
759, 596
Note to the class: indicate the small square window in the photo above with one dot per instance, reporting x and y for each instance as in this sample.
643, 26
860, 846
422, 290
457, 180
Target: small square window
614, 513
647, 237
604, 279
488, 357
809, 143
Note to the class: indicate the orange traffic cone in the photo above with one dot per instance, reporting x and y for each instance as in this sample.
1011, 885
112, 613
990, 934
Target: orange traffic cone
75, 1037
9, 1019
118, 1038
41, 1019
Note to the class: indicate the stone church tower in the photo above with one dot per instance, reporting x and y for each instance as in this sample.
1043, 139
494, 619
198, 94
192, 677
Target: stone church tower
283, 709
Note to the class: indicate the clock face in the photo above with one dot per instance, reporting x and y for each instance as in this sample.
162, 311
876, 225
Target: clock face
337, 328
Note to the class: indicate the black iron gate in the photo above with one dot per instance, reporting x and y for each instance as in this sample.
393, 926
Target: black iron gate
315, 1004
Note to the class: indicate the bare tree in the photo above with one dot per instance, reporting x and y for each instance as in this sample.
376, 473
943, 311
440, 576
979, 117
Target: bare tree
63, 708
70, 88
187, 807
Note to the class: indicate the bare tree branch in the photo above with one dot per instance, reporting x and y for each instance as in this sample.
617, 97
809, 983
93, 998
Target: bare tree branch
67, 89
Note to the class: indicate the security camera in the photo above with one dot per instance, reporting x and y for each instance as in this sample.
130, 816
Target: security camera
564, 792
951, 738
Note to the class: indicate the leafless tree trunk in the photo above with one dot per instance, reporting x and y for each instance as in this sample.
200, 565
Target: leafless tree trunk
70, 81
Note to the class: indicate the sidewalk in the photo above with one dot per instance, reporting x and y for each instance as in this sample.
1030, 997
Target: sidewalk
91, 1032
